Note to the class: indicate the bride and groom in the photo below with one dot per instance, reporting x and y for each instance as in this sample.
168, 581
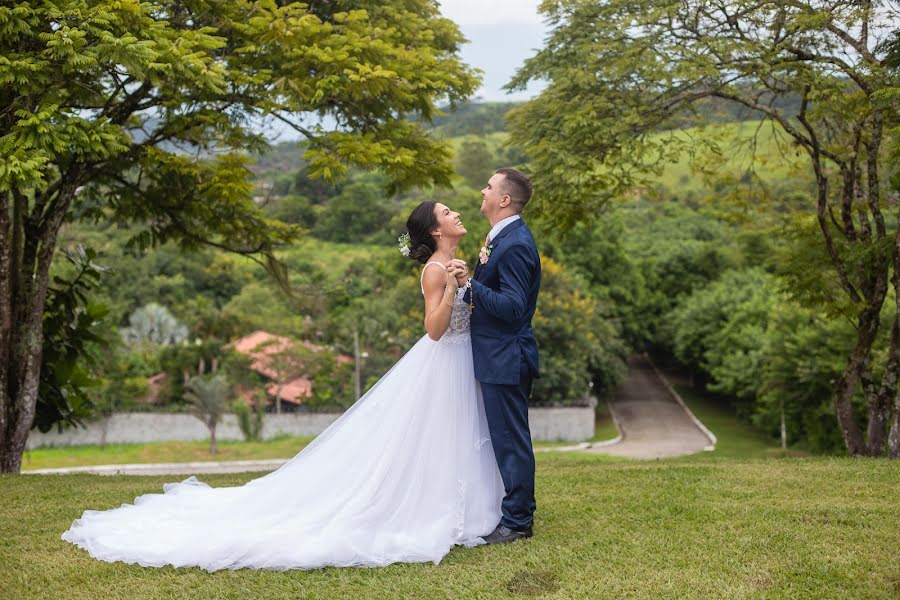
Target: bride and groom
437, 453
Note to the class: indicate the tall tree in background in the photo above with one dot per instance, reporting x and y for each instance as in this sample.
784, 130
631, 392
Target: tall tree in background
140, 112
621, 71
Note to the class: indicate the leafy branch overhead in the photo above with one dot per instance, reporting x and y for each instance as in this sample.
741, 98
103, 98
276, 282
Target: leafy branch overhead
622, 73
144, 113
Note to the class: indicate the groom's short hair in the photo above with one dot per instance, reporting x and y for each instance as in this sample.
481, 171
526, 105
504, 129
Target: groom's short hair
516, 185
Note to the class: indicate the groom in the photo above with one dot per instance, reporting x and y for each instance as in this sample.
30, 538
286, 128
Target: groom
504, 296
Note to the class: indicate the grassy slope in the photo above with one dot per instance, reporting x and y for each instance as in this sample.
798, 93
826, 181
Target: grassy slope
737, 155
788, 528
734, 438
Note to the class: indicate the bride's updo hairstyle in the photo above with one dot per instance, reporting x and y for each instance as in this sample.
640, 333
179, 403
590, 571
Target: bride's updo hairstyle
419, 226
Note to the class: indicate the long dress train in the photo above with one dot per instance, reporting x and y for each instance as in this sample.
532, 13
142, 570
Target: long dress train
402, 476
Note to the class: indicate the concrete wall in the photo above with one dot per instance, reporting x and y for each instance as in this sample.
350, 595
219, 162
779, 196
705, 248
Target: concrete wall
547, 424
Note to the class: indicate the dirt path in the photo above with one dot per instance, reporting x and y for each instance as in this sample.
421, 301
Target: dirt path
652, 423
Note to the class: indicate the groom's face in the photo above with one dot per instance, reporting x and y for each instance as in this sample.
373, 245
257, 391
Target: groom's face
493, 199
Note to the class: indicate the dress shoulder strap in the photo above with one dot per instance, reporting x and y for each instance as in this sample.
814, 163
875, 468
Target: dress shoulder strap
422, 276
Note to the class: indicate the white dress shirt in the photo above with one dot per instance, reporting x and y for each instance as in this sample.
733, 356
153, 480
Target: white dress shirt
496, 229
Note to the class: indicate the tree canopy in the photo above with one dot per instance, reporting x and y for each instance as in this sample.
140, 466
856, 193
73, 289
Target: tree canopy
144, 112
621, 73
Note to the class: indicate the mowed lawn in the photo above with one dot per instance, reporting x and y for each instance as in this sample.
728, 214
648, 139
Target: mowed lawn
161, 452
605, 528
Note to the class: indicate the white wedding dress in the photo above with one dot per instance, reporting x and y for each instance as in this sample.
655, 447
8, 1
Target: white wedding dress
402, 476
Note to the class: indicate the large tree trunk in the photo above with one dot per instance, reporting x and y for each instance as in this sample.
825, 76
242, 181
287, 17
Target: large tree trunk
894, 437
212, 440
24, 279
845, 386
5, 317
879, 404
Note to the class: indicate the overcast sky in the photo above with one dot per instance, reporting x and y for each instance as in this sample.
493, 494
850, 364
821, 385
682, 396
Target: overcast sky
501, 34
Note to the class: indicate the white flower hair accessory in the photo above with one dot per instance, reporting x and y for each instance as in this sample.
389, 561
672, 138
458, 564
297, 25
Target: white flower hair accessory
403, 244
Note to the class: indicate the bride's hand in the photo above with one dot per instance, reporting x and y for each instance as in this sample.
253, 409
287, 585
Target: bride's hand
453, 276
463, 271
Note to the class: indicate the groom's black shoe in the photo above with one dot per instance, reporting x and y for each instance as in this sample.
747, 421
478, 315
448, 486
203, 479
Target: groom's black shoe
504, 535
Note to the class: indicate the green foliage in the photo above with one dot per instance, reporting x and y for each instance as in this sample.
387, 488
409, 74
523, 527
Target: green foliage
153, 324
644, 256
71, 338
250, 420
205, 66
210, 397
804, 353
475, 163
262, 306
597, 252
721, 329
332, 384
359, 213
580, 346
472, 118
293, 209
759, 348
602, 126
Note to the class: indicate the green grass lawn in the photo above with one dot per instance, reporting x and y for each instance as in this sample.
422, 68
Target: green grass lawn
734, 523
735, 528
604, 427
161, 452
178, 452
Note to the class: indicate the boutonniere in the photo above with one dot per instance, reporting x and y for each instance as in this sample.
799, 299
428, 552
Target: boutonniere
485, 254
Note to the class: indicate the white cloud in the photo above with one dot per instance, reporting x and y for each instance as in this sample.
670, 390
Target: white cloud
489, 12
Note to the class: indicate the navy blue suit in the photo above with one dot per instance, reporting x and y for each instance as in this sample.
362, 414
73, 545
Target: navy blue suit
504, 292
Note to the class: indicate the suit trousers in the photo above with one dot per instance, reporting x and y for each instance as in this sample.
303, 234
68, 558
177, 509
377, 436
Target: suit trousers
506, 408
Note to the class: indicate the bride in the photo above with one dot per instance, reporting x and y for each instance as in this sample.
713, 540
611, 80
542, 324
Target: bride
402, 476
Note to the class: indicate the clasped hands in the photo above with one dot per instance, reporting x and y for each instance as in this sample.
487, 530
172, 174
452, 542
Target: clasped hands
457, 269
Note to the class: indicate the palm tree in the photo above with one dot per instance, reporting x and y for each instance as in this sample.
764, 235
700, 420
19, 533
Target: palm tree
210, 396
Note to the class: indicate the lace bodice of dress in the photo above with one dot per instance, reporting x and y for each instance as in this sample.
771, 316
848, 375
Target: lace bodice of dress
460, 326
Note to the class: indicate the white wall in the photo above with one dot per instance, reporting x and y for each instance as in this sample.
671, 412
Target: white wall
547, 424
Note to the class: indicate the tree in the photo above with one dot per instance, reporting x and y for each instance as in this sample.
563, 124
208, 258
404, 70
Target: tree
140, 112
620, 72
475, 163
209, 397
359, 213
71, 333
581, 347
720, 328
153, 324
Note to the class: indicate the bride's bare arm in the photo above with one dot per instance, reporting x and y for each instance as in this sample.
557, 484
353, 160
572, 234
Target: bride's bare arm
440, 292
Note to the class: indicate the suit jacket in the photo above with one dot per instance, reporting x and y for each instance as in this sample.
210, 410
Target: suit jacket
504, 292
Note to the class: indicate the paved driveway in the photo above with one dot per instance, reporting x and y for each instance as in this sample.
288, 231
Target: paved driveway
652, 423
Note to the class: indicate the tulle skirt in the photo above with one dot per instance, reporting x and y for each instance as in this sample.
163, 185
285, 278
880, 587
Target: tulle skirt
402, 476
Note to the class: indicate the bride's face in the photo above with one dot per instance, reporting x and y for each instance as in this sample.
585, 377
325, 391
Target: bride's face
448, 223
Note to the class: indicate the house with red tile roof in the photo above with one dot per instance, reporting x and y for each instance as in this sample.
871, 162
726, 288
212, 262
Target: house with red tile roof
263, 348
